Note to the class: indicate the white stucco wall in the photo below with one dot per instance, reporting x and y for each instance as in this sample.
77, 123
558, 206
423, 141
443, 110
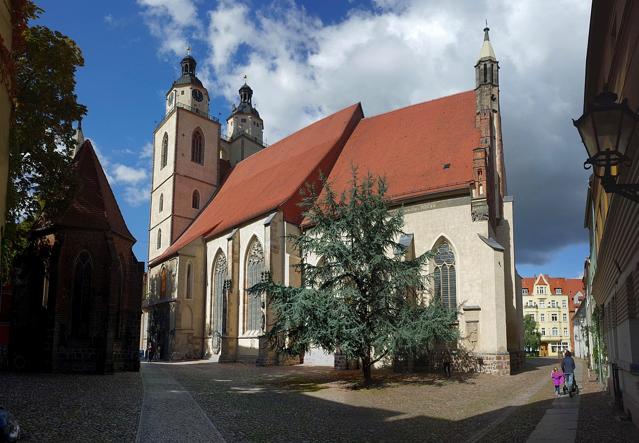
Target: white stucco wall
479, 268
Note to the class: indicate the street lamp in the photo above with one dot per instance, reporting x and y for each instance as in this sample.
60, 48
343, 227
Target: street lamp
607, 130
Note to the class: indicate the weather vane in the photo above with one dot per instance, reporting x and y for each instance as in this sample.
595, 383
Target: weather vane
188, 50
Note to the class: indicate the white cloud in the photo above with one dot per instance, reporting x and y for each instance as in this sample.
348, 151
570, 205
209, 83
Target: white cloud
126, 174
170, 20
409, 51
136, 196
146, 151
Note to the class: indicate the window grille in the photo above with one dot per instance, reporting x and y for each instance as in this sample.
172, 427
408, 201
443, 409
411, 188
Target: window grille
165, 150
253, 302
197, 147
444, 276
81, 305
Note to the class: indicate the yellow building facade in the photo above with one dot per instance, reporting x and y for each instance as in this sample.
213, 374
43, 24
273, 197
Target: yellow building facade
548, 305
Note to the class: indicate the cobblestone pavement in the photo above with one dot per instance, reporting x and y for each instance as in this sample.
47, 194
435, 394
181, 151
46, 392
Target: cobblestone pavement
74, 408
305, 404
318, 404
599, 420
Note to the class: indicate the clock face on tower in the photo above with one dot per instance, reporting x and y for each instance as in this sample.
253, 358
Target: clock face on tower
197, 95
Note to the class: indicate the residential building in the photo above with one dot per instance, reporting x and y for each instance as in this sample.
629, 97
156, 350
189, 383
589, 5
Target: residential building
551, 302
611, 218
444, 163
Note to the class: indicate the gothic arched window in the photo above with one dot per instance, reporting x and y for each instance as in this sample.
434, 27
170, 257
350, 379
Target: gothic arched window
444, 276
165, 150
189, 281
161, 204
159, 240
197, 147
81, 302
253, 318
195, 200
219, 300
485, 73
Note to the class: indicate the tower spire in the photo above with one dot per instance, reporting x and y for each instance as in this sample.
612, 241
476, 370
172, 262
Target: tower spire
79, 138
487, 47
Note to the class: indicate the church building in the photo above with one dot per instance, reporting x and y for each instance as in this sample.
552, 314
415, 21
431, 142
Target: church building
78, 288
222, 208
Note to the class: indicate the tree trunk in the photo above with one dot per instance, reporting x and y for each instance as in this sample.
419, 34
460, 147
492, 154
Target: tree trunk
366, 369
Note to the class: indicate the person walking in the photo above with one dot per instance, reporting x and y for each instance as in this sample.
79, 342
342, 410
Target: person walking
557, 380
568, 368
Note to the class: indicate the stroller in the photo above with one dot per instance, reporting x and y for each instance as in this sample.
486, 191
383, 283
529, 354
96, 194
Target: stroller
575, 388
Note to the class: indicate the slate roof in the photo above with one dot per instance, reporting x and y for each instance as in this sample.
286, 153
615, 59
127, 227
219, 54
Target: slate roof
94, 206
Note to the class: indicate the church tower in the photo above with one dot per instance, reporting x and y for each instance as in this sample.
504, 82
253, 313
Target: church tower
185, 159
244, 129
489, 122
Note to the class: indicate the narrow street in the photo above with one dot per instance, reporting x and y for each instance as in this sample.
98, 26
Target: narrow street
214, 402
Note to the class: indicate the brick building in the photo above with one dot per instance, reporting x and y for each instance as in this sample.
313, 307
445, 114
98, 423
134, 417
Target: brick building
78, 290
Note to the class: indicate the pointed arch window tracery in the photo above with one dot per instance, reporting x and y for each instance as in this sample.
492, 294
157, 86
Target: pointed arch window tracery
254, 319
444, 275
219, 300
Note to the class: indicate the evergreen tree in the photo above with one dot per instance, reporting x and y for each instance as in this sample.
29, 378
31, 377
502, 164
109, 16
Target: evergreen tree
532, 337
364, 298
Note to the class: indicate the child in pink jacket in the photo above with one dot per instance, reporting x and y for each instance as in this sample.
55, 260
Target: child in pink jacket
557, 380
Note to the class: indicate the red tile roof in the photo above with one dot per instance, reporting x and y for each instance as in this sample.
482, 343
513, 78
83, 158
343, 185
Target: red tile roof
411, 145
272, 178
94, 205
569, 286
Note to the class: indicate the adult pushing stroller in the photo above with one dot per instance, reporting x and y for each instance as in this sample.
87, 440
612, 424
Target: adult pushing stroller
568, 367
575, 387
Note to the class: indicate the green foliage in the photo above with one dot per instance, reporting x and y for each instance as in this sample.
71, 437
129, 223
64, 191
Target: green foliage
41, 136
532, 336
599, 350
362, 297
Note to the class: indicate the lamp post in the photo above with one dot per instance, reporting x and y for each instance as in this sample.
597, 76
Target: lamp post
607, 130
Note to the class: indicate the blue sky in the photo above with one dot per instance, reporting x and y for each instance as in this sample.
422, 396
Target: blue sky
307, 59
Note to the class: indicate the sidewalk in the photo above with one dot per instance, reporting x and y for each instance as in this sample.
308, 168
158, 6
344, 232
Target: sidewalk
560, 423
169, 413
